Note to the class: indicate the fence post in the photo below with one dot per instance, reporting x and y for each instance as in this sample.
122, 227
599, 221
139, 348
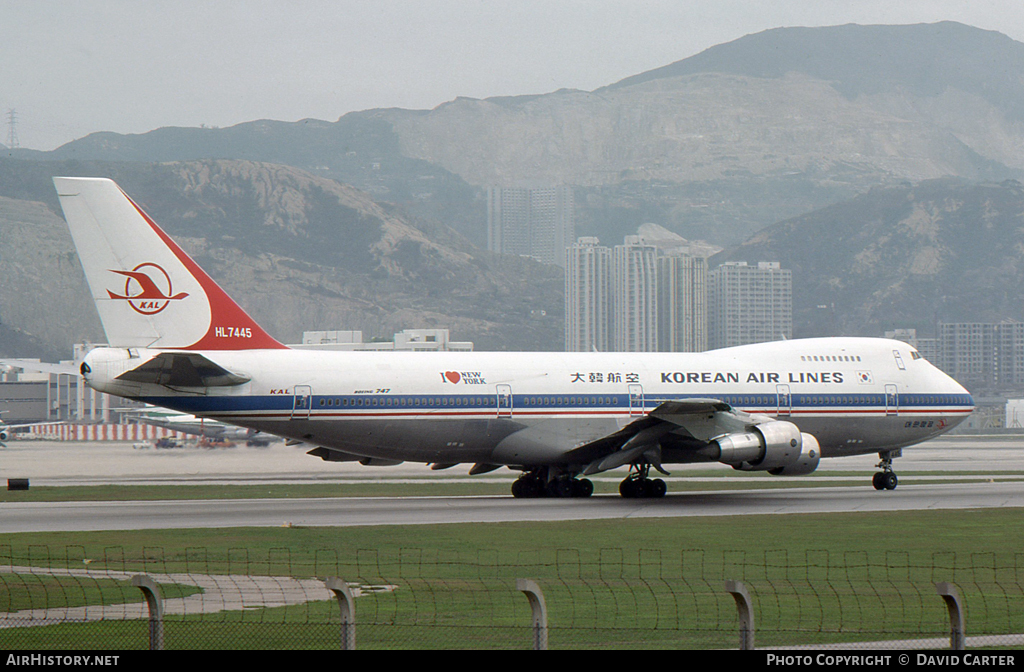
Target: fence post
156, 610
347, 605
540, 612
954, 606
745, 611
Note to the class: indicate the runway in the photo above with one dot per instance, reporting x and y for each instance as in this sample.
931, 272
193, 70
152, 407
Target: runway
360, 511
66, 464
54, 463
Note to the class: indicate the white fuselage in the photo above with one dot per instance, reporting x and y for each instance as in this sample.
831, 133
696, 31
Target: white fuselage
855, 395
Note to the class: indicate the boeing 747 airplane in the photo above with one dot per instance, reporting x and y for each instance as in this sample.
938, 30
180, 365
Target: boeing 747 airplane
177, 340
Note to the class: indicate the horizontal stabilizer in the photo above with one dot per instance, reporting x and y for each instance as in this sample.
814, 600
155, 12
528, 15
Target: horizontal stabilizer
182, 369
41, 367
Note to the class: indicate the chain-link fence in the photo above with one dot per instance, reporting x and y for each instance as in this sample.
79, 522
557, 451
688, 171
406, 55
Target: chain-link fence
609, 598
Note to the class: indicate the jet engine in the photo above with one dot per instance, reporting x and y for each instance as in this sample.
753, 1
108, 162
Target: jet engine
810, 455
3, 435
778, 447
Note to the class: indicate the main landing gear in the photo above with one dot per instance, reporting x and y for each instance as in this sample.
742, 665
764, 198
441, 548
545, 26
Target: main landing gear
533, 484
885, 479
638, 486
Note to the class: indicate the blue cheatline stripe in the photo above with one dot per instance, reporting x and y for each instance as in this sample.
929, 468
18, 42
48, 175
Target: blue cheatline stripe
276, 404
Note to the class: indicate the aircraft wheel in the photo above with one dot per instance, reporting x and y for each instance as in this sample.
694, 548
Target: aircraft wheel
582, 488
885, 480
642, 488
562, 487
527, 488
890, 481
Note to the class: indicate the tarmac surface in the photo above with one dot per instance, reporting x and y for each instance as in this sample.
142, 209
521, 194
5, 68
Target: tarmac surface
55, 463
978, 460
360, 511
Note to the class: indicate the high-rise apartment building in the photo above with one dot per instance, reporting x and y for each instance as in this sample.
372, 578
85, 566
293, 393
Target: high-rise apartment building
749, 304
983, 355
635, 304
538, 223
929, 348
588, 297
652, 294
682, 303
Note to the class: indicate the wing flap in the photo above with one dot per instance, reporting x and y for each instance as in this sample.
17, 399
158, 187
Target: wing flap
697, 418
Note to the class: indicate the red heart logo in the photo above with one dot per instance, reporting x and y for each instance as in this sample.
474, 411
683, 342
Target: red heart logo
452, 376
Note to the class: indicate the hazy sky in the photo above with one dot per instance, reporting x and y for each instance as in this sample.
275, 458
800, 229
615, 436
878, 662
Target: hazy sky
71, 67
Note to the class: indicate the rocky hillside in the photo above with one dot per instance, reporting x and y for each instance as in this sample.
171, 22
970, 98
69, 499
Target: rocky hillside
297, 251
44, 298
907, 256
715, 146
824, 130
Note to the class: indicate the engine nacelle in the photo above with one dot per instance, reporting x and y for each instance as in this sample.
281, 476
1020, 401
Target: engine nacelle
810, 455
4, 435
769, 445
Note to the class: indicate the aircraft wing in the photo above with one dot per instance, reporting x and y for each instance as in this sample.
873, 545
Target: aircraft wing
693, 421
183, 369
7, 430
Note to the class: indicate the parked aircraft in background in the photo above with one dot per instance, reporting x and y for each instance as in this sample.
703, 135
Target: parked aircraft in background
780, 407
7, 431
186, 423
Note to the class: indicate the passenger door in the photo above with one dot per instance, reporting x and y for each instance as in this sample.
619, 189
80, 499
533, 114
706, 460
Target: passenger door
302, 402
504, 401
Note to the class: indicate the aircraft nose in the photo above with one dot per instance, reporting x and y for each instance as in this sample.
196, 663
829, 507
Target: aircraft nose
961, 390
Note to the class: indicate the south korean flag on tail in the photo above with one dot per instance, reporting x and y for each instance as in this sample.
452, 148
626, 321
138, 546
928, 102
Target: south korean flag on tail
864, 377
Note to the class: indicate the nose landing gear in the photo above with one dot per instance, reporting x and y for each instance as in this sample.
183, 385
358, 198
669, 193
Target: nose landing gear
885, 479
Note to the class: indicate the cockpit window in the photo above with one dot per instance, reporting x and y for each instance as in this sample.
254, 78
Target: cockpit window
914, 354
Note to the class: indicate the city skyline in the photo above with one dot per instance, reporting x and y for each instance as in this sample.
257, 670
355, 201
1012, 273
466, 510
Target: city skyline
653, 295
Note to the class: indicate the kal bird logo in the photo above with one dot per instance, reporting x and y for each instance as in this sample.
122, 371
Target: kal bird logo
143, 289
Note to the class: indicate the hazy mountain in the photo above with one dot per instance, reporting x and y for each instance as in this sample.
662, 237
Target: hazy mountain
823, 129
924, 60
297, 251
715, 146
44, 299
908, 256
